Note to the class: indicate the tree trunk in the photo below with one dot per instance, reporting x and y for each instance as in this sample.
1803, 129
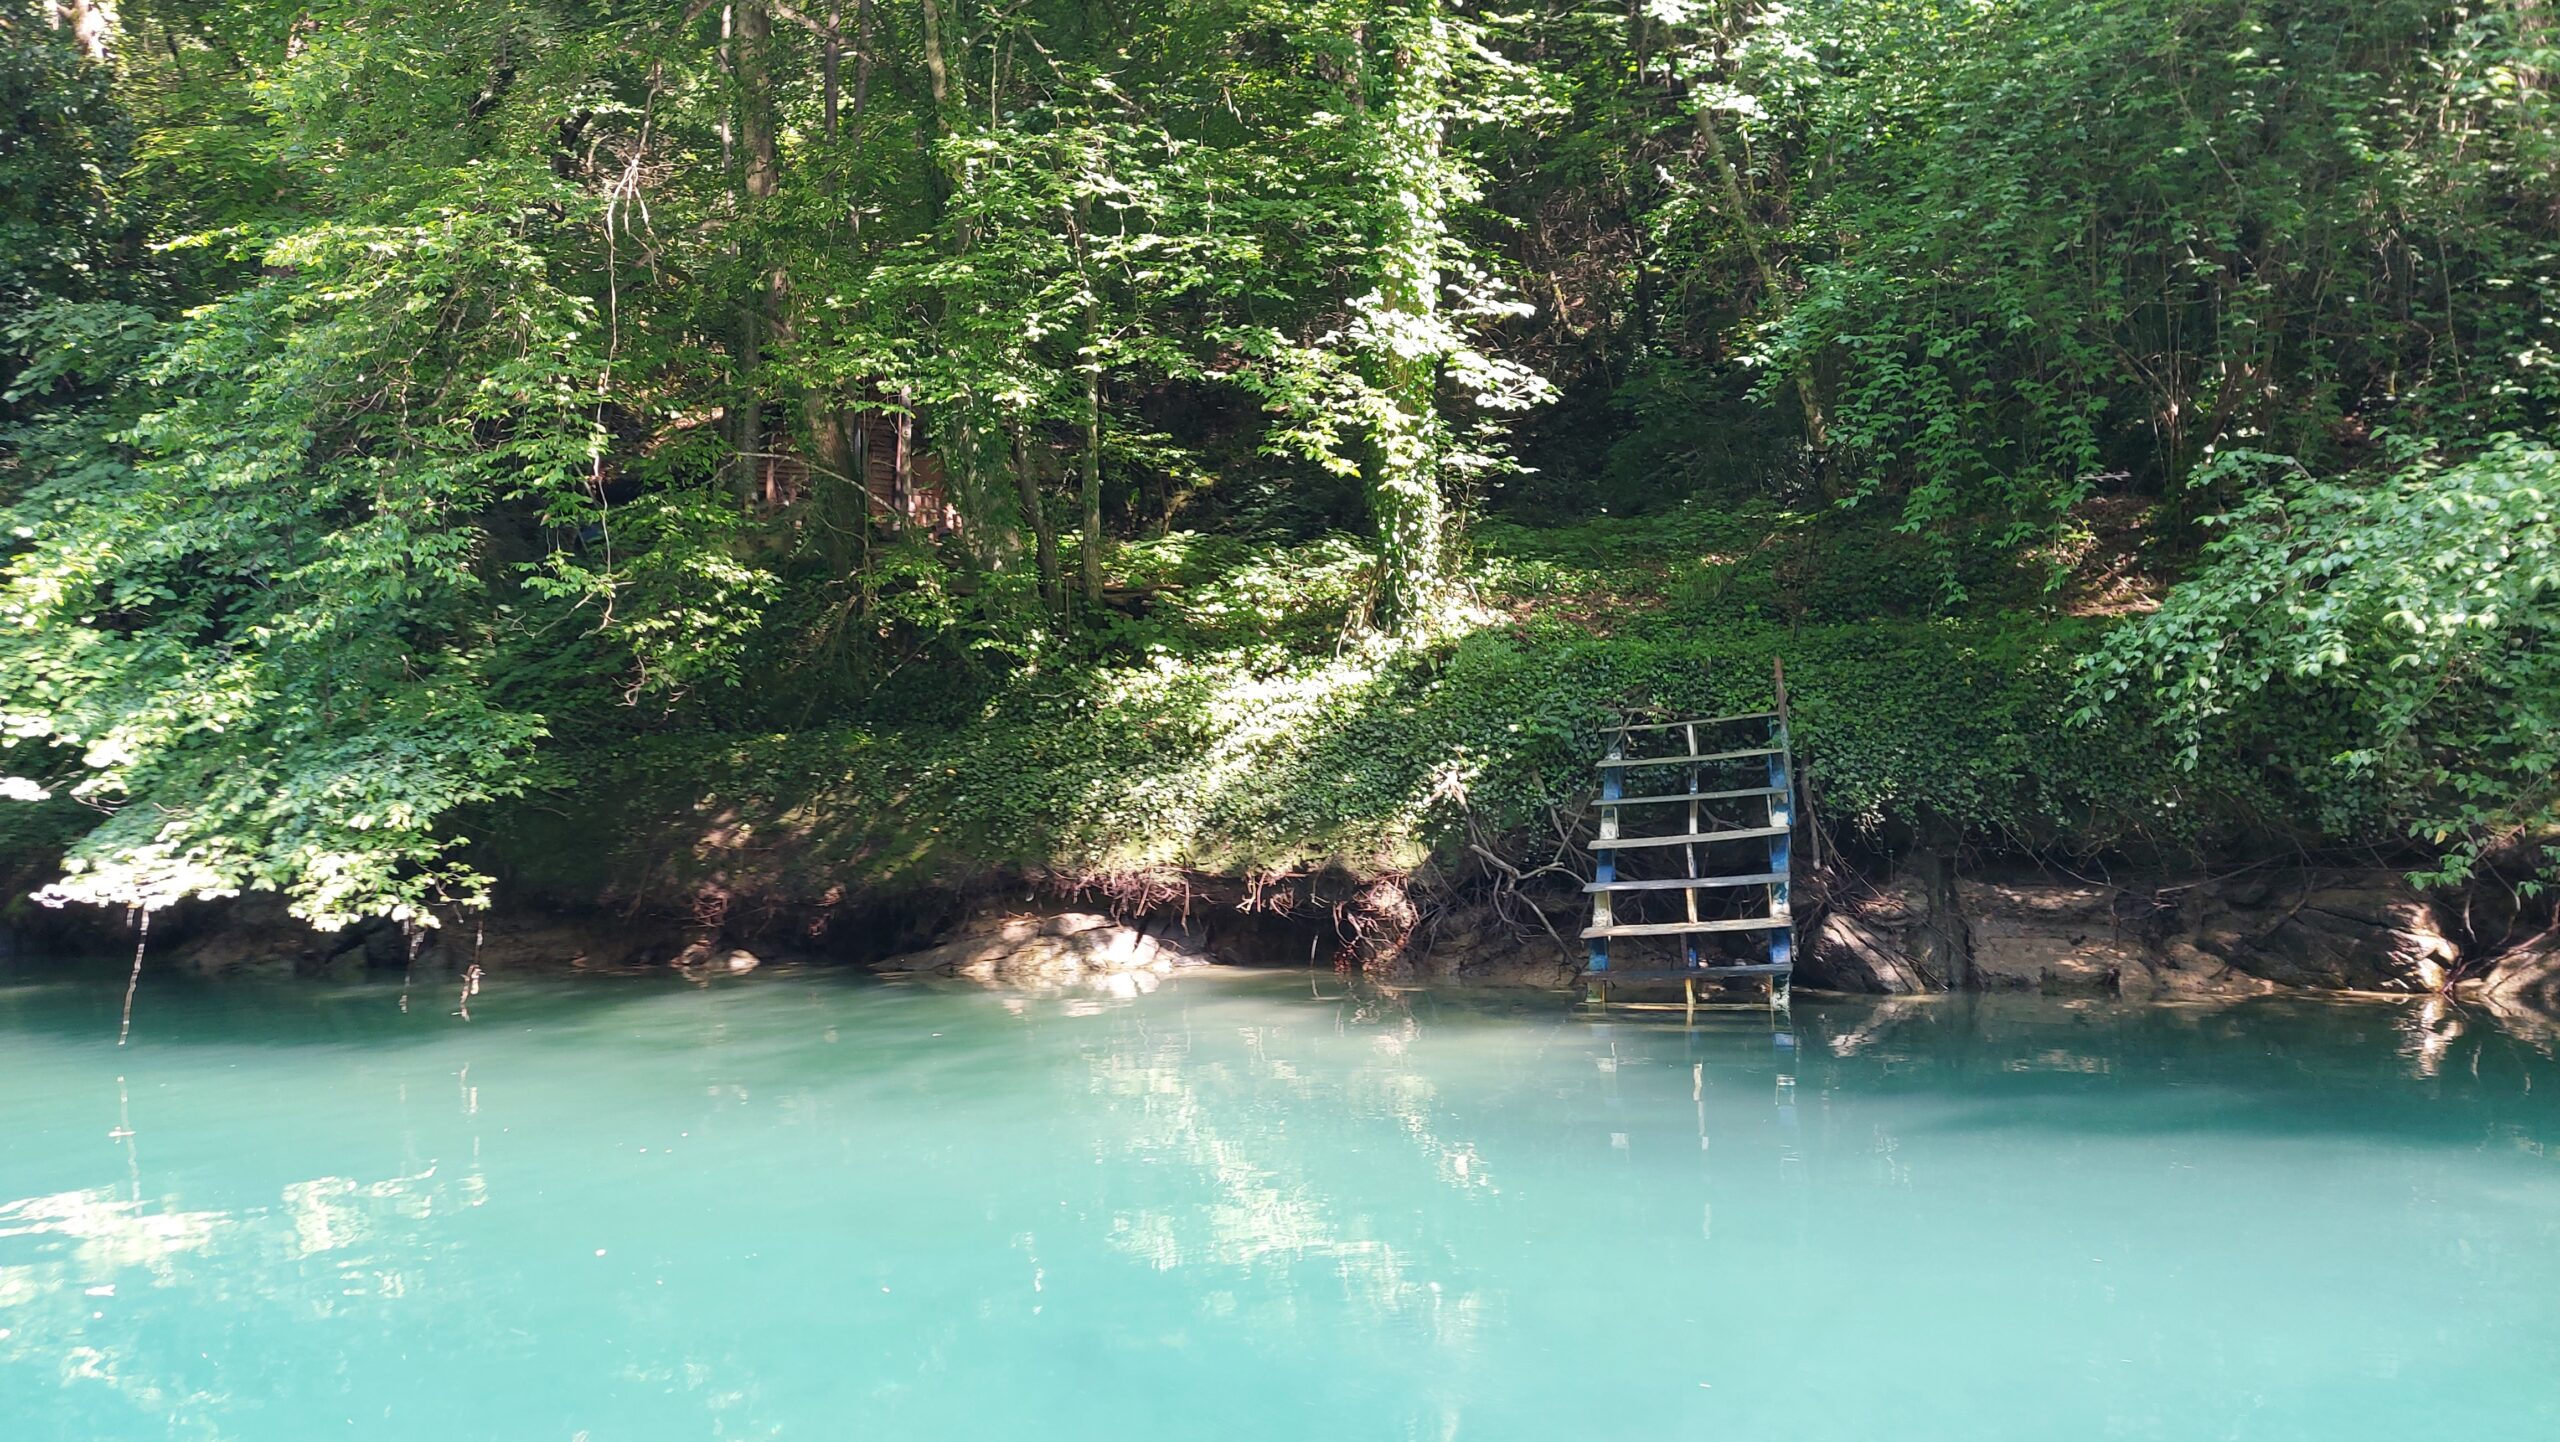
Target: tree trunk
1089, 555
836, 475
760, 175
754, 51
963, 467
91, 23
1036, 515
1945, 947
838, 434
1738, 203
1402, 469
902, 463
959, 444
937, 69
862, 48
831, 64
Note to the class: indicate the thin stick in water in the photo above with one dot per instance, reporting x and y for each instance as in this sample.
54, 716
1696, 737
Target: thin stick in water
133, 983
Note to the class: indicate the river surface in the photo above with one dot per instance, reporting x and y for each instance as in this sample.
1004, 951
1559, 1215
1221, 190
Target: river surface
814, 1206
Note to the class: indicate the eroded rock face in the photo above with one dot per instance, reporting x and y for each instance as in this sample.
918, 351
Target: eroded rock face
2360, 930
575, 943
1060, 947
2179, 968
2525, 978
256, 938
1872, 939
2350, 930
2051, 936
1479, 946
2363, 930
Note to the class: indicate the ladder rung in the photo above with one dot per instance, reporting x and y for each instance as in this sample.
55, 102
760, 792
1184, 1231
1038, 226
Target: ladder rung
1687, 883
1757, 968
1695, 796
1692, 760
1693, 838
1702, 721
1681, 928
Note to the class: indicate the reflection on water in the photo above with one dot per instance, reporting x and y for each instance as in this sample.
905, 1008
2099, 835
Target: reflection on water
804, 1205
1248, 1203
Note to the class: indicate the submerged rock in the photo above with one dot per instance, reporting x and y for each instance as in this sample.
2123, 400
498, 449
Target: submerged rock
706, 955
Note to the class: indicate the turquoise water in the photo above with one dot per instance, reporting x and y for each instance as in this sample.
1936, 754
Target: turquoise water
818, 1207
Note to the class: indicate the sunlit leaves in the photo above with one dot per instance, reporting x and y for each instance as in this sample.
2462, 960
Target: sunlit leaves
2429, 605
253, 628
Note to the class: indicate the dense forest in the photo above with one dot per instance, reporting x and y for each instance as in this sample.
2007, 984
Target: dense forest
892, 438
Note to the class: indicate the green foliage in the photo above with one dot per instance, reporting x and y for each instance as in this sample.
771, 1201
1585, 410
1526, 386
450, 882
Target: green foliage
66, 231
2066, 242
409, 406
249, 625
1376, 761
2396, 645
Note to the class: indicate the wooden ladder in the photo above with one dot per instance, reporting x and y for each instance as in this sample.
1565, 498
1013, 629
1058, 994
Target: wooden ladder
1714, 768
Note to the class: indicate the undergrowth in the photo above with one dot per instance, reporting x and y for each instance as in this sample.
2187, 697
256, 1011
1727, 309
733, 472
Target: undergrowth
1246, 725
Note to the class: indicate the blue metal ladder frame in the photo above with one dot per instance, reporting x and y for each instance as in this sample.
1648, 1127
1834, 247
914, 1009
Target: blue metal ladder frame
1779, 834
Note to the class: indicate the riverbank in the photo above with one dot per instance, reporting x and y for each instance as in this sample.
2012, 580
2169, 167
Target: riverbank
1244, 779
1914, 931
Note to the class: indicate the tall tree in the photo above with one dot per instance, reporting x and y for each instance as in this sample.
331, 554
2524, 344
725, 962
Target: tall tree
1403, 338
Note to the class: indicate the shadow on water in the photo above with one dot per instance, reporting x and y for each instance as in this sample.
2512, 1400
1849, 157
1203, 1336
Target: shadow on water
2274, 1066
2278, 1067
79, 1001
